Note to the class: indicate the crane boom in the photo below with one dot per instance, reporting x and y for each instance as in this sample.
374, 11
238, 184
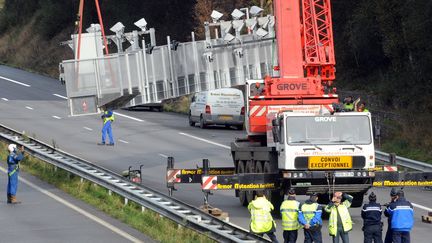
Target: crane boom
306, 62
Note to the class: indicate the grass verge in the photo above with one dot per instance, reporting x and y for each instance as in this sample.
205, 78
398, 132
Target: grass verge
147, 222
178, 105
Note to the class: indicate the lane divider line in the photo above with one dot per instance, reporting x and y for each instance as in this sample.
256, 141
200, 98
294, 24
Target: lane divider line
205, 140
79, 210
422, 207
14, 81
60, 96
56, 117
88, 128
28, 107
123, 141
163, 155
130, 117
5, 99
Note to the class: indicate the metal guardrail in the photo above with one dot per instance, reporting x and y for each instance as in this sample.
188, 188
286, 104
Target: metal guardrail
405, 162
169, 207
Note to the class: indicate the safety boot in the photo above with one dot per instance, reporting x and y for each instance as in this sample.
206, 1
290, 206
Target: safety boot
9, 199
14, 200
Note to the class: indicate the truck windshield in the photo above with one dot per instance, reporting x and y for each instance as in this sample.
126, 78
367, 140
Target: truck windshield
328, 130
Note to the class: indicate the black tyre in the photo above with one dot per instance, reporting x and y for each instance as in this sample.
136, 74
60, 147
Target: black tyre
357, 200
259, 167
250, 195
242, 194
239, 127
323, 199
191, 123
202, 123
274, 196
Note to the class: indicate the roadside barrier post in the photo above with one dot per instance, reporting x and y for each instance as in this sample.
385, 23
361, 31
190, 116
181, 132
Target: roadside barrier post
206, 165
170, 166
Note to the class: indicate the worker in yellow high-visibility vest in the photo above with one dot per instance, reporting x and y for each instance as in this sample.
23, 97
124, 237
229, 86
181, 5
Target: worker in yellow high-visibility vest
340, 222
108, 119
261, 218
290, 224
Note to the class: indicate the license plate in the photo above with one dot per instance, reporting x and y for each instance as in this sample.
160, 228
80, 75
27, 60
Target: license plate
225, 118
330, 162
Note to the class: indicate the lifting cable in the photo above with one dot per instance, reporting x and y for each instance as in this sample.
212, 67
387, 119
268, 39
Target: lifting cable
80, 16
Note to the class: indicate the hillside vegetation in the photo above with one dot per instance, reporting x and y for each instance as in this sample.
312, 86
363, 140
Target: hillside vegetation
382, 47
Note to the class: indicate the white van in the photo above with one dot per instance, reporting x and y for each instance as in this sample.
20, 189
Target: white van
217, 107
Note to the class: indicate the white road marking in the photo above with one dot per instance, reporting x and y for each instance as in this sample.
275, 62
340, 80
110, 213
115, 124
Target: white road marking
28, 107
123, 141
60, 96
79, 210
5, 99
56, 117
130, 117
205, 140
422, 207
14, 81
88, 128
163, 155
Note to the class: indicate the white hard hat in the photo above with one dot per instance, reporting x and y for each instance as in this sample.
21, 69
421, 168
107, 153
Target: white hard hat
12, 147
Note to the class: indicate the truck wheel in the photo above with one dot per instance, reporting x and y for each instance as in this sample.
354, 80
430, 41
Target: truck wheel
202, 123
191, 123
250, 169
323, 199
258, 167
274, 196
242, 194
357, 200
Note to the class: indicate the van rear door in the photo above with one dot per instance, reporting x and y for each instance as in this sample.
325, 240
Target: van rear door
225, 102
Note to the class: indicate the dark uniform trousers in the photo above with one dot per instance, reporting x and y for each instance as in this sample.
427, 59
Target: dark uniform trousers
389, 236
313, 235
401, 237
290, 236
372, 233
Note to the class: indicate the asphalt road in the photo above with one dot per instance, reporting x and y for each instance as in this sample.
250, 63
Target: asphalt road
47, 214
37, 107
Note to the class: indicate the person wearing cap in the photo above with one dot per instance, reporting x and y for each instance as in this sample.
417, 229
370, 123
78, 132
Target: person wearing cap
389, 233
261, 219
401, 212
372, 225
310, 218
108, 119
340, 222
290, 224
15, 156
348, 103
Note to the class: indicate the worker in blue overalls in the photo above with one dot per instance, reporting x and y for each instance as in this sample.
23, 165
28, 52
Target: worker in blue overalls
108, 118
15, 156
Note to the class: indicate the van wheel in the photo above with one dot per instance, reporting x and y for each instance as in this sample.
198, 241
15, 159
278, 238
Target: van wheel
191, 123
202, 124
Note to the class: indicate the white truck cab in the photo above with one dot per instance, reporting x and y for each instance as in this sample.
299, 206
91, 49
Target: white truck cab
342, 141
